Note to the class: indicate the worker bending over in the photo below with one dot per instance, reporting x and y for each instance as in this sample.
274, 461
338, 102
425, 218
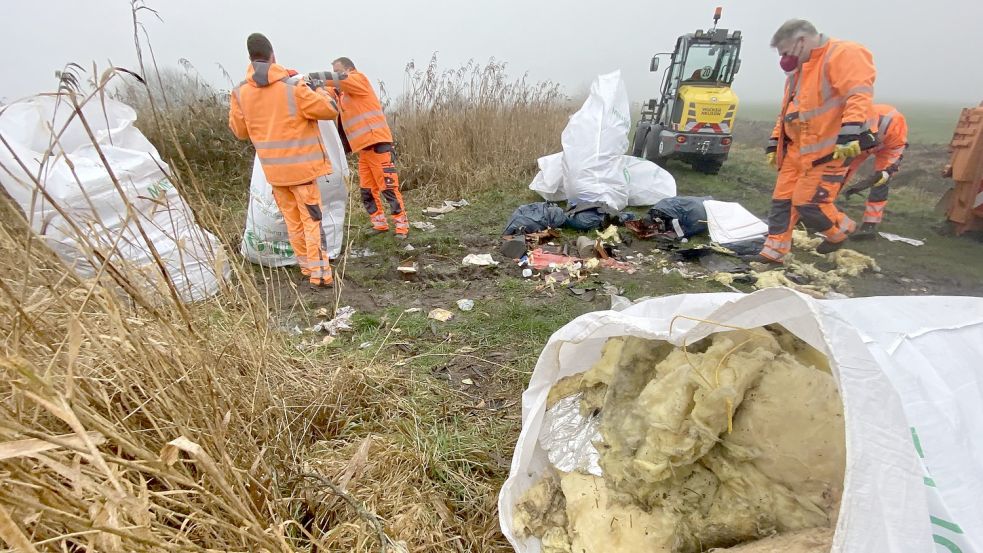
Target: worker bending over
892, 140
367, 132
825, 121
279, 113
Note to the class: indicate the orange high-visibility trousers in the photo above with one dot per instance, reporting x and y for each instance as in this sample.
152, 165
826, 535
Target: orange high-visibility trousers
806, 193
301, 208
378, 181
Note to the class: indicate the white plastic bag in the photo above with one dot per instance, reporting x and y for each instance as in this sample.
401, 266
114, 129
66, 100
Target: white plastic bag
594, 141
548, 182
730, 222
647, 182
265, 240
90, 208
905, 367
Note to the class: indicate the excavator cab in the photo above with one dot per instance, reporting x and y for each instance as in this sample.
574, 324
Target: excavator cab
693, 118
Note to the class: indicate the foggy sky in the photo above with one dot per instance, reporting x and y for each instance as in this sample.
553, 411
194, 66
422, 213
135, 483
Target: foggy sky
920, 53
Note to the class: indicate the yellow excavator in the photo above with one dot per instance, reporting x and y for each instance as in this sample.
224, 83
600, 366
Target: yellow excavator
693, 120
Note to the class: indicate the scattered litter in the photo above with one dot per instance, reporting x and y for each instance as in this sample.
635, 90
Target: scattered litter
365, 345
898, 238
459, 203
465, 304
409, 248
322, 312
540, 259
526, 273
513, 247
327, 340
408, 268
802, 240
423, 225
610, 234
611, 263
592, 264
726, 279
479, 260
434, 212
467, 382
364, 252
413, 310
585, 247
340, 323
852, 263
439, 314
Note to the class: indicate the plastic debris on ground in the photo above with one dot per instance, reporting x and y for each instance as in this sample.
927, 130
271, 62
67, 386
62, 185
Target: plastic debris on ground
440, 314
898, 238
685, 214
724, 443
340, 323
423, 225
535, 217
610, 234
465, 304
413, 310
730, 222
479, 260
434, 212
408, 267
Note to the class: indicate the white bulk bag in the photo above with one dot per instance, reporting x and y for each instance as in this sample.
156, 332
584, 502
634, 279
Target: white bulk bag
548, 182
264, 239
647, 183
593, 141
908, 373
90, 208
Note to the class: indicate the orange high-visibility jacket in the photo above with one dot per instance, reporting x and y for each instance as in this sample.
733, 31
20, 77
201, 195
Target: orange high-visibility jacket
361, 111
829, 98
279, 114
892, 138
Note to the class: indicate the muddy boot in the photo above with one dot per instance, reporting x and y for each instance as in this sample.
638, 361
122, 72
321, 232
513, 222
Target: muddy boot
867, 231
826, 246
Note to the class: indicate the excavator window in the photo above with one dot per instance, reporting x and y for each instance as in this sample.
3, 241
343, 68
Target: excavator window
709, 62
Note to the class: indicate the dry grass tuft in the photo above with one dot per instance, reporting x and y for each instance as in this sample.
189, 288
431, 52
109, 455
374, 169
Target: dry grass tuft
473, 128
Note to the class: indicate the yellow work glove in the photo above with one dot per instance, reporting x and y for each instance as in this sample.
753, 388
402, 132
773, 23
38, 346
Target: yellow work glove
885, 176
771, 159
846, 151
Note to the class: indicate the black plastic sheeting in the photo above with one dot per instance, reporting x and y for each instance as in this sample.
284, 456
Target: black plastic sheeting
535, 217
687, 210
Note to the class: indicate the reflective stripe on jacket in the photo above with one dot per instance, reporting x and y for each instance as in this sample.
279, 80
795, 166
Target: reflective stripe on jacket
361, 112
829, 98
892, 138
279, 114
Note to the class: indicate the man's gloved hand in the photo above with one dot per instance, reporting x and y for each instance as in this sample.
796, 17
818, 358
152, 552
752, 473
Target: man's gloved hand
847, 150
885, 176
771, 159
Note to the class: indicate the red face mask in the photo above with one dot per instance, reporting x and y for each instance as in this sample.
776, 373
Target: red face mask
789, 62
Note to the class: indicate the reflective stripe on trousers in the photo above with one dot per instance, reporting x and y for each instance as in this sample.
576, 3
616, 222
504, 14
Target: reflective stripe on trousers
874, 212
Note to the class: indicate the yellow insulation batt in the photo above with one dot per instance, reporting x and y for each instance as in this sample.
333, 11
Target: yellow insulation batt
733, 439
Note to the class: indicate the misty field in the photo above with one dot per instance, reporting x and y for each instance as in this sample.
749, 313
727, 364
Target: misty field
143, 424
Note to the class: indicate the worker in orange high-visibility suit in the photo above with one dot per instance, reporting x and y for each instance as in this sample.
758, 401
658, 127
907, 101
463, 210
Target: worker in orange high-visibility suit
825, 122
892, 140
279, 113
367, 132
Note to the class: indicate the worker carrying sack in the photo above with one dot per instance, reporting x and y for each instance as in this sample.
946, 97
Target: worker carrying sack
851, 424
84, 216
265, 241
